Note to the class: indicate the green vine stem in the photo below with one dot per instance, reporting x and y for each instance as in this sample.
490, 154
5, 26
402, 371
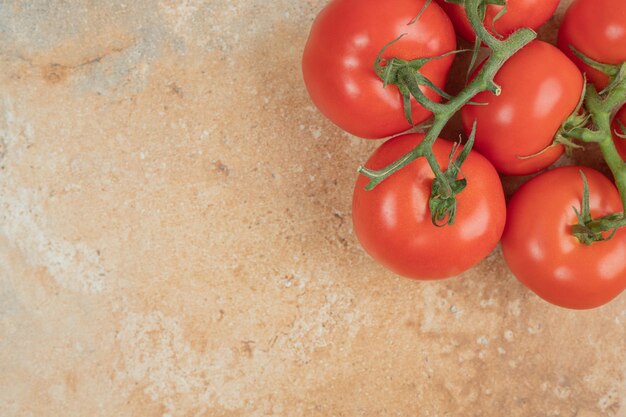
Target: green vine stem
602, 108
408, 78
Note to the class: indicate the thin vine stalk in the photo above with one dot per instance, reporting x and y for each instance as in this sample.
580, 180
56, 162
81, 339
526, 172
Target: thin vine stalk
602, 108
501, 51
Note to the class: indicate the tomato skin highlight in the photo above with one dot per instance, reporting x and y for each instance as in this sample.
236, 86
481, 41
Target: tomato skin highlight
541, 88
543, 254
597, 28
393, 221
339, 56
520, 13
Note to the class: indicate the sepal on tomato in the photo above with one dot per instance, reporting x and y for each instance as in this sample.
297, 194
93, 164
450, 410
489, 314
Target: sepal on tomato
445, 187
616, 73
407, 77
573, 124
588, 230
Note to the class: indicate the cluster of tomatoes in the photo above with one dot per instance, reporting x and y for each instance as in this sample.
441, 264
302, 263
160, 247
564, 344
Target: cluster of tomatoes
541, 87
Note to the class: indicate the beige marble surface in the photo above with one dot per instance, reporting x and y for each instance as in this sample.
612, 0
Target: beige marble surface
175, 240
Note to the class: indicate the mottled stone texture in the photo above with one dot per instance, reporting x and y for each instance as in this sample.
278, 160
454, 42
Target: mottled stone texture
175, 240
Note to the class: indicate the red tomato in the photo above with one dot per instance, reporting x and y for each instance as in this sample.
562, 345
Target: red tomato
540, 90
597, 28
519, 14
620, 143
544, 255
339, 56
393, 221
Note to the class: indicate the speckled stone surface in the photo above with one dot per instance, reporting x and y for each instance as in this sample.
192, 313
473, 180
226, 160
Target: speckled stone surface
175, 240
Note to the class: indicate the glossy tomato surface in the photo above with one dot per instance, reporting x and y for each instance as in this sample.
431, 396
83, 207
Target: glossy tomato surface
543, 254
519, 14
540, 90
620, 143
393, 221
597, 28
339, 56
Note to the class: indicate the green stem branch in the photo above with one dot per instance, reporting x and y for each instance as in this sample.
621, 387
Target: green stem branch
484, 81
471, 9
602, 109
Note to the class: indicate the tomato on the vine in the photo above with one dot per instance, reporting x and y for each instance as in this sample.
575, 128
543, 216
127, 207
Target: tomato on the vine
597, 28
541, 88
519, 14
339, 56
393, 221
544, 255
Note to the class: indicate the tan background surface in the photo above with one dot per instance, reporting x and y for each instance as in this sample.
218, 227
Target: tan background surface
175, 240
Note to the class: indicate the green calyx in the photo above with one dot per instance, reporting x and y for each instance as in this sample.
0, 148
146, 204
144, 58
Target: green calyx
445, 188
616, 73
588, 230
576, 121
573, 125
594, 125
406, 76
